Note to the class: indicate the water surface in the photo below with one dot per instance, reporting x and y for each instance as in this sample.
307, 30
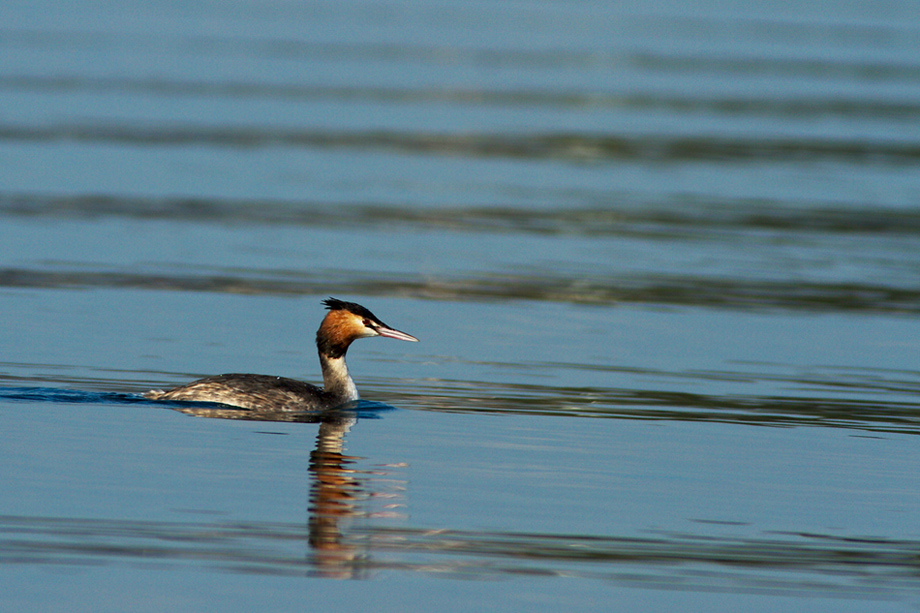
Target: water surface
663, 263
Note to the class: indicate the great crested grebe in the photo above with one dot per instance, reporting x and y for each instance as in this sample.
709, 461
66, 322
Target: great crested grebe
344, 323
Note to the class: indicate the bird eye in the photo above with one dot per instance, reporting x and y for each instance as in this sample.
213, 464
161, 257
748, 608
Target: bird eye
367, 322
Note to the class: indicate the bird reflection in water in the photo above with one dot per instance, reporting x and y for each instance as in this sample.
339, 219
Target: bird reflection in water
335, 496
339, 492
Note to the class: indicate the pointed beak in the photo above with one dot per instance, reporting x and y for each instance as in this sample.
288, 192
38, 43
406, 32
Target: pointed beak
391, 333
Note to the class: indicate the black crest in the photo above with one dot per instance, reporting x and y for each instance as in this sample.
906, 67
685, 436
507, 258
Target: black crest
334, 304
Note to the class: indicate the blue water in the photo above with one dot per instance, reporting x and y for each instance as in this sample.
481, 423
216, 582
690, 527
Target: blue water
663, 263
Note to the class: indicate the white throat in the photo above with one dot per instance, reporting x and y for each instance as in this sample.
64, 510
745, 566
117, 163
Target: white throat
336, 379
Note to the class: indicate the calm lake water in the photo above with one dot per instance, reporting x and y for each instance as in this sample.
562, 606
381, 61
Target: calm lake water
664, 262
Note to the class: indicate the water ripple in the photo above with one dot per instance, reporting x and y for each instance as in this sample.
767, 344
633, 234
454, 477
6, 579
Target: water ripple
557, 145
789, 105
780, 563
869, 406
700, 219
699, 291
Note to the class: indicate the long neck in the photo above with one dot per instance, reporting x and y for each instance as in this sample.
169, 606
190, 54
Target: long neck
336, 380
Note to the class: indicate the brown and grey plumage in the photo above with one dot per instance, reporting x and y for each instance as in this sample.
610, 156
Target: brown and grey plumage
345, 322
